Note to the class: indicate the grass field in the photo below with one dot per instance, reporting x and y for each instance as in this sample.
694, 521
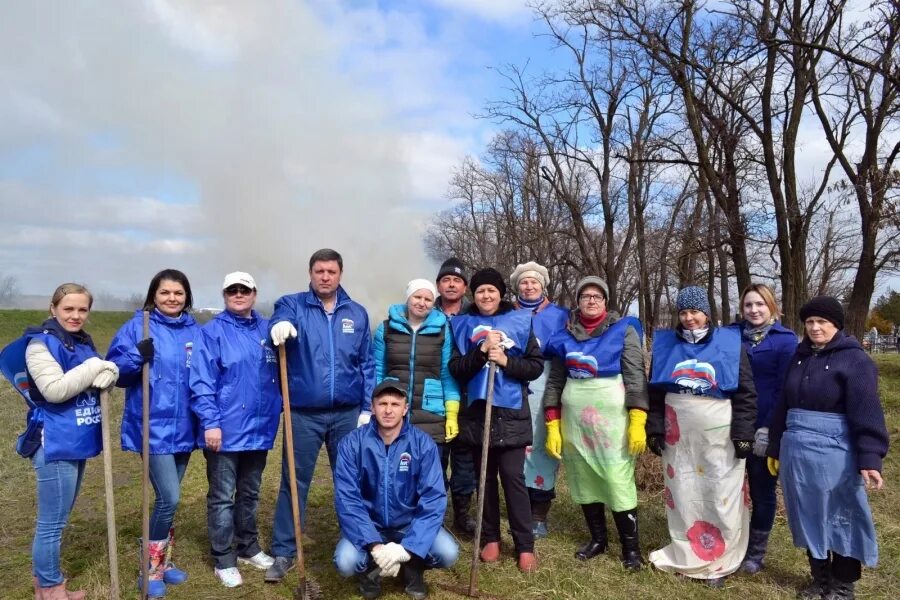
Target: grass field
84, 553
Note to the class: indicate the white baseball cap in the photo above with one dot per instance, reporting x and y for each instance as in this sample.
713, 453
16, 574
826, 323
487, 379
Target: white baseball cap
239, 278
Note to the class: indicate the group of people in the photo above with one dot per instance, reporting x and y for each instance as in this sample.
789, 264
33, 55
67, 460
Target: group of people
397, 410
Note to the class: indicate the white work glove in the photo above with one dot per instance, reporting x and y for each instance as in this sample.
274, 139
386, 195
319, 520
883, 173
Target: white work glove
107, 376
389, 557
761, 441
364, 418
281, 331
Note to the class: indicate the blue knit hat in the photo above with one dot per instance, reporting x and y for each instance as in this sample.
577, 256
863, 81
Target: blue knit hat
693, 298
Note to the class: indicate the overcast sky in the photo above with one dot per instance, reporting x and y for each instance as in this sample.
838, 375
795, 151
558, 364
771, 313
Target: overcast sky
221, 136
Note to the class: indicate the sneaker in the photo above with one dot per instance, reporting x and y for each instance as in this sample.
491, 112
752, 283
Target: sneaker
528, 562
280, 566
490, 552
260, 560
230, 577
540, 529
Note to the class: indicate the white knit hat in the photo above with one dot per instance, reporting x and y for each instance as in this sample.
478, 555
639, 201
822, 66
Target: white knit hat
420, 284
529, 269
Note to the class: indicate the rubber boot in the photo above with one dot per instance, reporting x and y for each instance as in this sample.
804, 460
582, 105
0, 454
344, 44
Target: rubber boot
539, 512
370, 582
841, 590
756, 552
413, 572
59, 592
462, 522
627, 526
172, 575
595, 517
821, 579
157, 585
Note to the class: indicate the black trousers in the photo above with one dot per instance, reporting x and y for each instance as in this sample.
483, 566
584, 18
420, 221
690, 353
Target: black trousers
509, 465
843, 568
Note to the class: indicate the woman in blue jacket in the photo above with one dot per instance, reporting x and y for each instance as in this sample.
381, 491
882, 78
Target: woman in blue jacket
414, 345
829, 434
57, 370
769, 347
234, 393
172, 424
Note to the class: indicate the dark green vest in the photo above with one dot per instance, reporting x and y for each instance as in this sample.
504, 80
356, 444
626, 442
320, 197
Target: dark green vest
417, 357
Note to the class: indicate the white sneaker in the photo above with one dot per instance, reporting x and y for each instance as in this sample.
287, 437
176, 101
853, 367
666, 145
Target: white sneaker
230, 577
260, 560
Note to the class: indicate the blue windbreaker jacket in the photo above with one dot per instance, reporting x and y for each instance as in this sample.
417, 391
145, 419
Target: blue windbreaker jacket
234, 382
400, 486
769, 360
330, 363
172, 424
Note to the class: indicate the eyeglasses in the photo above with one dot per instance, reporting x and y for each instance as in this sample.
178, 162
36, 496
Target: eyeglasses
591, 298
238, 289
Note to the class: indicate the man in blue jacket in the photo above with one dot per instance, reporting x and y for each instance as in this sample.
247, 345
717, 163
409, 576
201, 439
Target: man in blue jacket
331, 374
390, 500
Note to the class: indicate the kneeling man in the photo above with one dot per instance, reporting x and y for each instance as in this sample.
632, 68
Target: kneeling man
390, 499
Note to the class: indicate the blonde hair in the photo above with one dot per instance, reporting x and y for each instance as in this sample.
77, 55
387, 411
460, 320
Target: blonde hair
767, 295
70, 288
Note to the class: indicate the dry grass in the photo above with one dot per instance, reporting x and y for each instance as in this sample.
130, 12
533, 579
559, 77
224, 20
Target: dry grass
560, 577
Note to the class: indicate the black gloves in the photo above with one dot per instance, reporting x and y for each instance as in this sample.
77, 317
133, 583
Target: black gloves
743, 448
656, 443
145, 347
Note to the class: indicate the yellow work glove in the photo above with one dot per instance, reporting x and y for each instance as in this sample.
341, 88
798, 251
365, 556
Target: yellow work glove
637, 433
773, 465
451, 425
553, 444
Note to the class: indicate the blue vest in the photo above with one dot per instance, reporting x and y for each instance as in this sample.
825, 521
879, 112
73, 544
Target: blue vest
71, 429
547, 323
470, 330
709, 369
599, 356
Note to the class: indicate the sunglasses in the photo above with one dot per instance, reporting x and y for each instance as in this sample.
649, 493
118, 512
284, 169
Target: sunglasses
234, 290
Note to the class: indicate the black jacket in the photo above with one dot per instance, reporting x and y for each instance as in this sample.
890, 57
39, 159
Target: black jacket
743, 402
510, 428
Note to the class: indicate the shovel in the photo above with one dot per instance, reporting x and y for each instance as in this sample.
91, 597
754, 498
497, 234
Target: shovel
307, 589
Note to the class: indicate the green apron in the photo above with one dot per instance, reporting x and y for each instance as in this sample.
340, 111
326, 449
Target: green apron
598, 466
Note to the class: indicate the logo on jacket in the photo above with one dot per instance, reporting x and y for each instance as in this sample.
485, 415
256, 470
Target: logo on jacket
268, 353
347, 325
695, 375
580, 365
188, 349
405, 459
20, 380
480, 333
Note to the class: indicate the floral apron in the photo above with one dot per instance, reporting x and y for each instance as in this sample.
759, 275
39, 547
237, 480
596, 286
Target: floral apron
707, 502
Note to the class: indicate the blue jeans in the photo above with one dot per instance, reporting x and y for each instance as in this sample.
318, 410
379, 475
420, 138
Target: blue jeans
231, 502
762, 493
311, 428
349, 560
166, 473
57, 487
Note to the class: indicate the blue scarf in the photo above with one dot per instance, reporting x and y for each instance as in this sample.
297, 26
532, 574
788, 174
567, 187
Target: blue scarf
532, 305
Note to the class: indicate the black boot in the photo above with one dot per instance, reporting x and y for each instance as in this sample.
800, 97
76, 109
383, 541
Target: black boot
462, 522
627, 526
539, 512
841, 590
821, 579
370, 582
595, 517
413, 572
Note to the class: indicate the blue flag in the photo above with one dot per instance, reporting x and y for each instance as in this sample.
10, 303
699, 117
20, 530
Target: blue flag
12, 365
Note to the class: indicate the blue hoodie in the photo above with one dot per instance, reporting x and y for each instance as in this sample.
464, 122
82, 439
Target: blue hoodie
172, 424
379, 487
330, 362
234, 382
769, 360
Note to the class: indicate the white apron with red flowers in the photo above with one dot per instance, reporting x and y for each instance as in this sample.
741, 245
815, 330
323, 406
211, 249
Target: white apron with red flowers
707, 503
